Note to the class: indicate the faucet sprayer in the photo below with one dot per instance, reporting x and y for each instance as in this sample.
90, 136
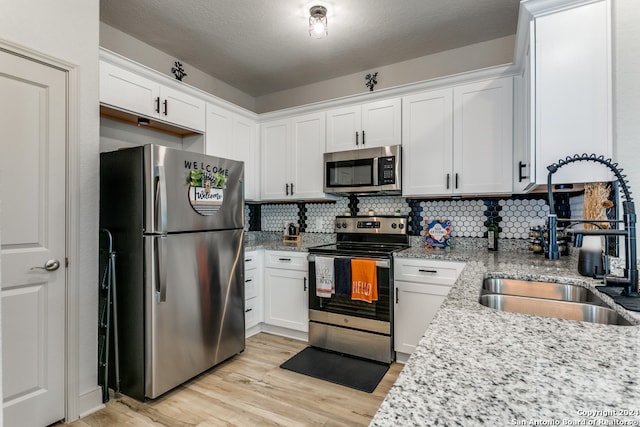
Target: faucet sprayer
630, 280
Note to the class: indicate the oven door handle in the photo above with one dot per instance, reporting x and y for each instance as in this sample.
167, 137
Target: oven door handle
380, 263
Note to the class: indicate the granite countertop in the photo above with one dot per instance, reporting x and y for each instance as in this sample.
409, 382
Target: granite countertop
478, 366
273, 241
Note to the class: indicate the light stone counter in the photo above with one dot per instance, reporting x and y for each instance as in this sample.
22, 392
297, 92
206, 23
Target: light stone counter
273, 241
478, 366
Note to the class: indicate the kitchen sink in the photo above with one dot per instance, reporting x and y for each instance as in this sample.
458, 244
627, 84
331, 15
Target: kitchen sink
548, 299
567, 310
535, 289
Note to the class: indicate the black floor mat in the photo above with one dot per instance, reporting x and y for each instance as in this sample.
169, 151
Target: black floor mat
337, 368
631, 302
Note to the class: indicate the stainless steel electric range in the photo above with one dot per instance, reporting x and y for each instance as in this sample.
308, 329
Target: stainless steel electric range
345, 325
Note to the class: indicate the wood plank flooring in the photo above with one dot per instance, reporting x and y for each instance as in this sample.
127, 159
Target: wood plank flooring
250, 390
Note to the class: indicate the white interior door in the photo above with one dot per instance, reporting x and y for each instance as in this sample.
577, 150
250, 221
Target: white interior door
32, 193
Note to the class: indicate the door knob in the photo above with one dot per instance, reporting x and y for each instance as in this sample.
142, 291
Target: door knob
51, 265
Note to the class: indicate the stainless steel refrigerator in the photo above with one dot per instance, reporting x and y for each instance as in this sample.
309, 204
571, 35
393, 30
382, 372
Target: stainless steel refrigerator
177, 220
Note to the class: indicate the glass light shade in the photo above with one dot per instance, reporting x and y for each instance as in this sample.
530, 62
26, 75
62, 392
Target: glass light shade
318, 22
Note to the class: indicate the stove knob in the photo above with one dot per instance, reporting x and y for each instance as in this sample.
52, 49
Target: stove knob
401, 226
394, 226
344, 225
338, 225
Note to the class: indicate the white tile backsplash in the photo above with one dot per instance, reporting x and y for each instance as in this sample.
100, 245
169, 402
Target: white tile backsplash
468, 216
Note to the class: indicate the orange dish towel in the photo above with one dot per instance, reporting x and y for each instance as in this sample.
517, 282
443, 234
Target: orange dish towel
364, 280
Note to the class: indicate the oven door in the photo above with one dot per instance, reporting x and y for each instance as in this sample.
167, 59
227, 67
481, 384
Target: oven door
354, 327
377, 310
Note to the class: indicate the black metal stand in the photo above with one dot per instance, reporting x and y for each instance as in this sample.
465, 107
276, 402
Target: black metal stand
107, 315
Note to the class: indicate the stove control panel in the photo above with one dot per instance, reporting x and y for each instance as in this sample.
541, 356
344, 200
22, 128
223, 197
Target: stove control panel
371, 224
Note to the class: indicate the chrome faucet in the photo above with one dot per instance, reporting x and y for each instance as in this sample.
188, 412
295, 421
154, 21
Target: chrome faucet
629, 281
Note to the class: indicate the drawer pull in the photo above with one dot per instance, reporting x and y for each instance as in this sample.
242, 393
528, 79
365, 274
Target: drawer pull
248, 280
284, 259
248, 260
248, 310
422, 270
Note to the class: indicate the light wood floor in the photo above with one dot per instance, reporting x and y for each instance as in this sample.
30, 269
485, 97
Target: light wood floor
250, 390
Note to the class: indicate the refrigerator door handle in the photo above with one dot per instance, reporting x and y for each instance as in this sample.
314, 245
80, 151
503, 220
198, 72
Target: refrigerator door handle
160, 201
161, 268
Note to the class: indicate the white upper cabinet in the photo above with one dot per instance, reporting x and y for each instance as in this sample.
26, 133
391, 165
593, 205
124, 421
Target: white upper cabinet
459, 140
483, 137
374, 124
292, 158
309, 139
570, 77
233, 136
427, 149
275, 143
524, 155
128, 91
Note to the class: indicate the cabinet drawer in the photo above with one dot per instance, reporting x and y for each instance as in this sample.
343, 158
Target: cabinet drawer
250, 260
250, 284
289, 260
251, 315
427, 271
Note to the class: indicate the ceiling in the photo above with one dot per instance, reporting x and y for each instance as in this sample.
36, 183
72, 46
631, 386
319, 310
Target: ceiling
263, 46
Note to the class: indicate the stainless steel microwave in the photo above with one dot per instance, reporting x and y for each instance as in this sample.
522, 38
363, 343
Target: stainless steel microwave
366, 171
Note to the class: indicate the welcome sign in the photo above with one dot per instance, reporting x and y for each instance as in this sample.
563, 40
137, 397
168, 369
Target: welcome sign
206, 190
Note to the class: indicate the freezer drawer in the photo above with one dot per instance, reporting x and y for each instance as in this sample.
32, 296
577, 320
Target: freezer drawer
194, 299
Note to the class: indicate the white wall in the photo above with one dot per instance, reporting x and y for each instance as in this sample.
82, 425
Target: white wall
68, 30
132, 48
626, 85
1, 392
450, 62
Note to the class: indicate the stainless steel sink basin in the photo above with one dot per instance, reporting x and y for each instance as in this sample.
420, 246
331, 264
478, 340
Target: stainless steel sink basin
546, 290
568, 310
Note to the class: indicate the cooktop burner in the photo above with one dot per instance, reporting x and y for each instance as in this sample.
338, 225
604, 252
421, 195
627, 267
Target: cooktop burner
372, 236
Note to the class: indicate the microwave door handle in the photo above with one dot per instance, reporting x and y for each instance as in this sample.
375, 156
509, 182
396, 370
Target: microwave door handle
376, 177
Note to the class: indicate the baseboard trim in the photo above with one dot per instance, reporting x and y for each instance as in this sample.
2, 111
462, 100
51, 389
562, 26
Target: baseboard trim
90, 402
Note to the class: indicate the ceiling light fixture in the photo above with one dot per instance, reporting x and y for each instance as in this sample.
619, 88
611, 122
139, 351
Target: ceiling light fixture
318, 22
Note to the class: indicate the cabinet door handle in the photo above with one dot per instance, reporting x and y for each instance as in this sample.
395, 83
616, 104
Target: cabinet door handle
248, 260
248, 310
422, 270
448, 180
456, 181
357, 138
165, 107
284, 259
305, 284
521, 166
287, 188
363, 142
396, 295
157, 109
292, 188
248, 280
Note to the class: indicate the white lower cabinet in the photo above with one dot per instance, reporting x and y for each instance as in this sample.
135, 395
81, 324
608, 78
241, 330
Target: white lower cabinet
253, 292
286, 303
420, 288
